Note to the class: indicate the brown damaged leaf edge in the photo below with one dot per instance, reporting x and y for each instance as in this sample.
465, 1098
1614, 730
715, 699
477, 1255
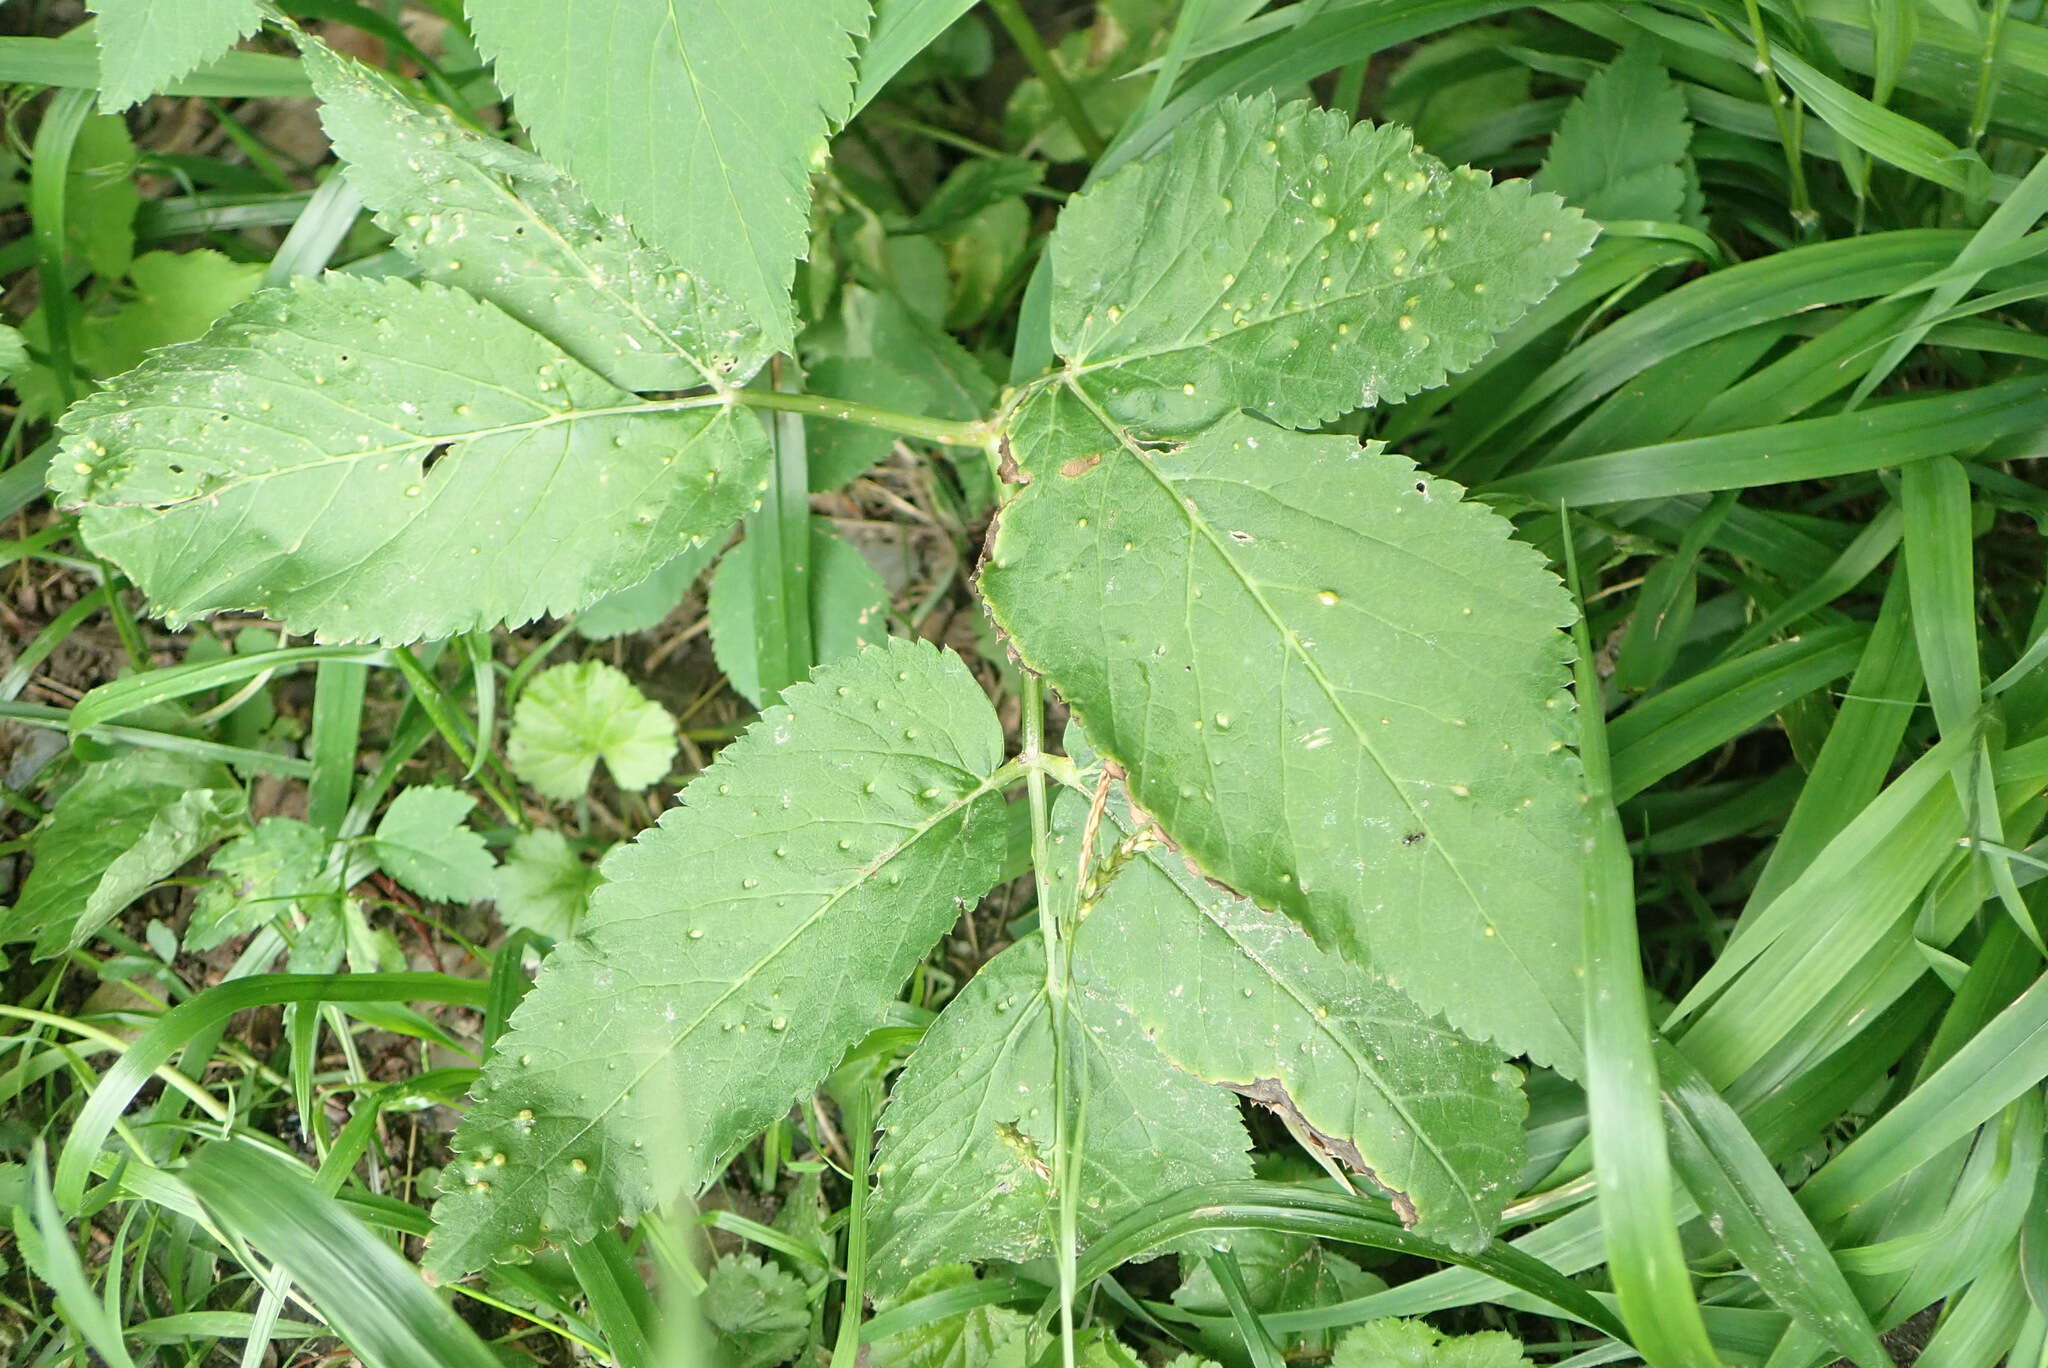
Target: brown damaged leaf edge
1271, 1094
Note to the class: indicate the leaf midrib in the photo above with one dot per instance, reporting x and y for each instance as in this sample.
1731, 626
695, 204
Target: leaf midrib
1200, 525
425, 442
867, 872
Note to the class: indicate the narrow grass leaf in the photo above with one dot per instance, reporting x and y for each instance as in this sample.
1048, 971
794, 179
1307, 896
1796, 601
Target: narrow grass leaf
1739, 1188
1999, 1063
1630, 1162
374, 1299
1941, 568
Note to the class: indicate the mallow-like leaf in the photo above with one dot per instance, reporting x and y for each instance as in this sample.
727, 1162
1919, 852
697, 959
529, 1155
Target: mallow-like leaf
1244, 998
699, 120
965, 1166
1281, 259
383, 460
733, 953
494, 219
1335, 683
147, 44
570, 717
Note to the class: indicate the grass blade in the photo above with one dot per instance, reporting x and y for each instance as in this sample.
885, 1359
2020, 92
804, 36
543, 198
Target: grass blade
1630, 1162
374, 1300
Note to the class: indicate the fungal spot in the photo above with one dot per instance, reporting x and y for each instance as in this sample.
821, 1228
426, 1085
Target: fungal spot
1404, 323
1328, 598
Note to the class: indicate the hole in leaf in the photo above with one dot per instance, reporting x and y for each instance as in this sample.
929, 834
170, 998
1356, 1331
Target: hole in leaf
434, 457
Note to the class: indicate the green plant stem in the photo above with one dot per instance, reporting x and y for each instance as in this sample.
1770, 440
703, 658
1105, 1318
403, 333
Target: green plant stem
1011, 16
1785, 117
1049, 921
860, 1128
846, 411
48, 173
1987, 72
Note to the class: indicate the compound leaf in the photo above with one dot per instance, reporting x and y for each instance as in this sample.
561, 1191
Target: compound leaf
129, 822
264, 874
1243, 998
1287, 261
849, 606
499, 222
571, 716
981, 1337
1338, 686
734, 952
1417, 1344
147, 44
713, 112
967, 1139
481, 475
543, 886
1620, 151
759, 1310
425, 843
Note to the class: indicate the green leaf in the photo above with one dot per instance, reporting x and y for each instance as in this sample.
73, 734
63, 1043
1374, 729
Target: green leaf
965, 1160
734, 952
1416, 1344
849, 607
543, 886
648, 603
424, 843
128, 823
497, 221
1240, 997
271, 872
1190, 1361
571, 716
980, 1337
1335, 683
176, 296
147, 44
1286, 261
760, 1311
1621, 150
1282, 1272
13, 351
903, 29
725, 194
100, 198
372, 1297
488, 477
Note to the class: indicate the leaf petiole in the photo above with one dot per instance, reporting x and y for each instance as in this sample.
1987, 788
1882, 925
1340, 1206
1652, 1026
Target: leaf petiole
847, 411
